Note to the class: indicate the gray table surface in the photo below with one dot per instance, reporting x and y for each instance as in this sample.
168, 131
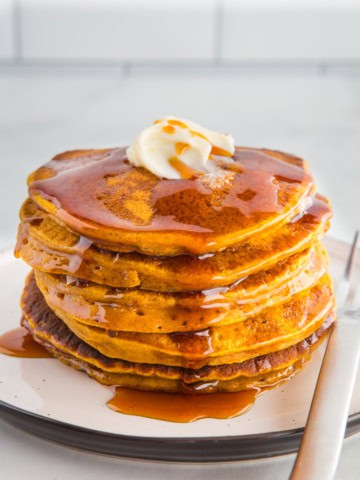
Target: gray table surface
48, 110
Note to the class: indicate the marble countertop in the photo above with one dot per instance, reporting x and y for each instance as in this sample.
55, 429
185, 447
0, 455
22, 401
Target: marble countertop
47, 110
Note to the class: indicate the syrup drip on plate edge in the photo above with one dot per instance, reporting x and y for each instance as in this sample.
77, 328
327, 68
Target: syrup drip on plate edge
20, 343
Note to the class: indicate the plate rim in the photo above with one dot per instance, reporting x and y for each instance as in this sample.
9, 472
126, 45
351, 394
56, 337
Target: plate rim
229, 448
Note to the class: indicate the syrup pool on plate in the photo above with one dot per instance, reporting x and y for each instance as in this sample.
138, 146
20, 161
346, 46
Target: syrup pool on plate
181, 407
19, 343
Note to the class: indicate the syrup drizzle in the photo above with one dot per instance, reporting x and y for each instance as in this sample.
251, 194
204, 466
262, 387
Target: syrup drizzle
264, 176
316, 212
182, 408
203, 309
183, 170
198, 342
172, 407
192, 406
76, 259
19, 343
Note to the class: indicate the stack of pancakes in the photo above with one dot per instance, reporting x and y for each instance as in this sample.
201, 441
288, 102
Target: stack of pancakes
205, 284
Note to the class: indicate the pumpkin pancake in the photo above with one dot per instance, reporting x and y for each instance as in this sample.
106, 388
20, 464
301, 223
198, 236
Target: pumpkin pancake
48, 246
146, 311
55, 336
120, 205
274, 328
216, 281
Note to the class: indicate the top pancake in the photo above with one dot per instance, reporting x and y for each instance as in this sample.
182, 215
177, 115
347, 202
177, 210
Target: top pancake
99, 194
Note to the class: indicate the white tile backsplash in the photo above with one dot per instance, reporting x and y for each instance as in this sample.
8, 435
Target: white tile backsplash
190, 32
281, 31
123, 30
6, 30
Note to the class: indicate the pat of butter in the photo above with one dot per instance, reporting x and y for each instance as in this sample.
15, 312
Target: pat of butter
175, 148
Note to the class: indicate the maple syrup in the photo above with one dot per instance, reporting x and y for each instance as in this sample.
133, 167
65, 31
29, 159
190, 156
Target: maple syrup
191, 405
172, 407
192, 208
182, 407
19, 343
183, 170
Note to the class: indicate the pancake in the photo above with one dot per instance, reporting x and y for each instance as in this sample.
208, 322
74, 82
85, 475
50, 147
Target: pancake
54, 335
274, 328
121, 205
46, 245
214, 282
149, 312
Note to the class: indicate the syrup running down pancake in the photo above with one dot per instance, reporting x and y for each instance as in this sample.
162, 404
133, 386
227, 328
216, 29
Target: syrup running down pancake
214, 282
255, 372
151, 312
117, 204
51, 247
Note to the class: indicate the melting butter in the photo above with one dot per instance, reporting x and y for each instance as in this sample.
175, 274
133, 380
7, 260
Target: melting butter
175, 148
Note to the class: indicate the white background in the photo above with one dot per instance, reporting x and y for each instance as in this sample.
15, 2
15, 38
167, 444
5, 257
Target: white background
79, 74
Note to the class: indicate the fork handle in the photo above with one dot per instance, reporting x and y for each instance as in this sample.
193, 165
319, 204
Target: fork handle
320, 447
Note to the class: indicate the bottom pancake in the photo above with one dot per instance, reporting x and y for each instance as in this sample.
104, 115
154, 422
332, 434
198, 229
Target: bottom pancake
48, 330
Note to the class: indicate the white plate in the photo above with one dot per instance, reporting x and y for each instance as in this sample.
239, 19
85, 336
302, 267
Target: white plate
49, 399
